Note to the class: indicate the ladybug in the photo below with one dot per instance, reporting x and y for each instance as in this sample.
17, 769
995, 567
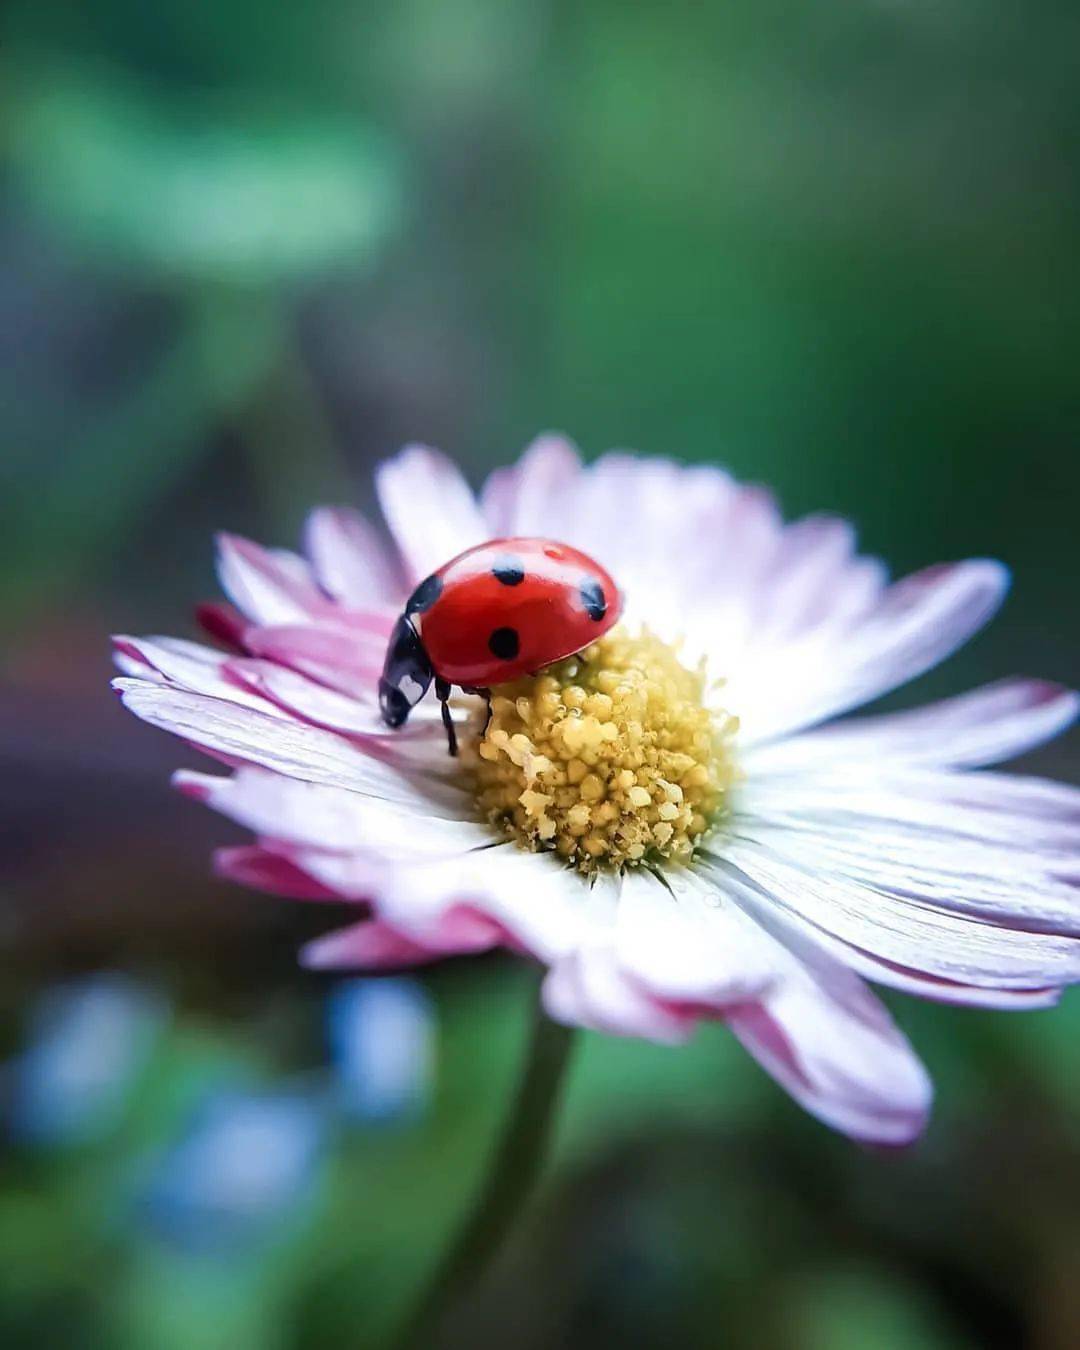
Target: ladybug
496, 612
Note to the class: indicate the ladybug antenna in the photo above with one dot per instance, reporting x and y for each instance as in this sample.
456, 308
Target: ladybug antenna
406, 676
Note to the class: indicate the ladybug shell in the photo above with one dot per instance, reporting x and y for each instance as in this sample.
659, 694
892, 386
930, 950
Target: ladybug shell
508, 607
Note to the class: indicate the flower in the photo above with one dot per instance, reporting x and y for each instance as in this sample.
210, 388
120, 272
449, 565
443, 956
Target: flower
815, 855
382, 1035
89, 1041
246, 1159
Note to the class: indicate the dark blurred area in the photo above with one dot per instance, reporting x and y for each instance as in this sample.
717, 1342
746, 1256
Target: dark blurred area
246, 251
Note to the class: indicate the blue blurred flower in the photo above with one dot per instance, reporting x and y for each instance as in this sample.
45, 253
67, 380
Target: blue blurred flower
247, 1161
382, 1037
87, 1043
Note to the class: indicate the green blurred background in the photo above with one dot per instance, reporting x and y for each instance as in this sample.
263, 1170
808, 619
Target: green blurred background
247, 250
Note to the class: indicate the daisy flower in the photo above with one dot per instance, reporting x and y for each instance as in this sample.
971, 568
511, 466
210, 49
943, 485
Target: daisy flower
672, 822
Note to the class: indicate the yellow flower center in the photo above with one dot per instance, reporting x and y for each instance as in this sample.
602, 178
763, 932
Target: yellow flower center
611, 757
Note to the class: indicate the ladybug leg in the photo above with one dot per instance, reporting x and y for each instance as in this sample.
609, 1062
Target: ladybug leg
485, 694
442, 693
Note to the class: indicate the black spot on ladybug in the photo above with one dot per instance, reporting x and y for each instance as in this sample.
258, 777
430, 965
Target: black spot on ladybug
592, 597
425, 595
504, 643
508, 569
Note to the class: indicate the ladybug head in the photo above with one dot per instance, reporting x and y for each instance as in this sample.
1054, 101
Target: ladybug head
406, 676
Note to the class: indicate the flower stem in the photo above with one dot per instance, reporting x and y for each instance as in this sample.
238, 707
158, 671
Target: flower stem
514, 1169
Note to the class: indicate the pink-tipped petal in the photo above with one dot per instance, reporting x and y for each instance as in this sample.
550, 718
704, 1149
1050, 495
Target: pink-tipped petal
223, 622
269, 586
352, 564
280, 743
429, 508
821, 1033
995, 808
907, 931
369, 945
984, 726
317, 816
685, 942
423, 739
992, 883
542, 907
532, 496
588, 988
375, 945
263, 870
349, 660
185, 665
626, 511
800, 938
841, 1058
813, 558
919, 622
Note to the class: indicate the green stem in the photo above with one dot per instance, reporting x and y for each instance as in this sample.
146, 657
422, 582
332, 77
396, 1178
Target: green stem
513, 1173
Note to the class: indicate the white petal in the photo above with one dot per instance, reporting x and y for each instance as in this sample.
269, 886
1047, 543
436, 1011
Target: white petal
796, 935
375, 945
984, 726
904, 931
1034, 799
268, 586
317, 697
317, 816
186, 665
812, 1023
269, 870
841, 1058
634, 515
587, 988
825, 1037
351, 562
544, 907
672, 537
351, 876
282, 744
684, 941
919, 622
349, 659
534, 496
421, 743
698, 555
1006, 809
1015, 888
429, 507
799, 590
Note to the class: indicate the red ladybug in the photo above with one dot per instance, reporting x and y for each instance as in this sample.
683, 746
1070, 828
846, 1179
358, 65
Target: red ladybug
494, 613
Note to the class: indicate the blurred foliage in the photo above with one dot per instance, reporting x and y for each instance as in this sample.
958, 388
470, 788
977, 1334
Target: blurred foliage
684, 1190
198, 193
247, 250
